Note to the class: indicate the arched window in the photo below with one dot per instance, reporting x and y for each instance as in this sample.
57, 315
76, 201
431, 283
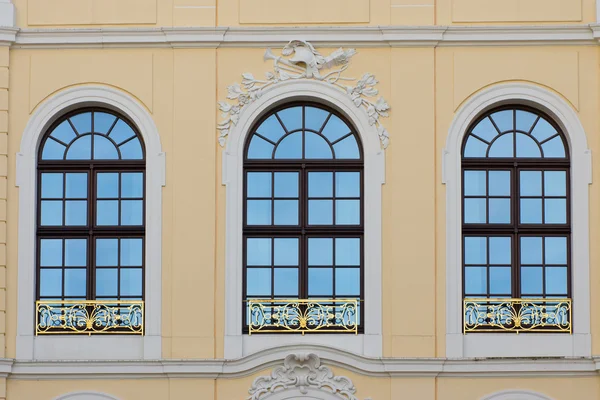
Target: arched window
303, 222
516, 222
90, 225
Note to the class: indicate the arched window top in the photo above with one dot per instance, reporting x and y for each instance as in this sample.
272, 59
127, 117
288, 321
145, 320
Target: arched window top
303, 131
96, 134
515, 132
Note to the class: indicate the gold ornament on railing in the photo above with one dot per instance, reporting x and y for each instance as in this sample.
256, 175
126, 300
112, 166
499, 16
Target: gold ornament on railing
298, 315
89, 317
517, 315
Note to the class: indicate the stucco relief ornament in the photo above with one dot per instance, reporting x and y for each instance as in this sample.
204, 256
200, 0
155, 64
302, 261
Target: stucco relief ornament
302, 372
300, 60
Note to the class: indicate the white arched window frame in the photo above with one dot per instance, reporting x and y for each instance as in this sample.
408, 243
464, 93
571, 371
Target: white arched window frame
530, 344
83, 347
86, 396
516, 395
370, 343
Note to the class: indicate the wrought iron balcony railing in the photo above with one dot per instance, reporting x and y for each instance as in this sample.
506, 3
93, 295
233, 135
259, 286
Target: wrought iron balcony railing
517, 315
89, 317
301, 316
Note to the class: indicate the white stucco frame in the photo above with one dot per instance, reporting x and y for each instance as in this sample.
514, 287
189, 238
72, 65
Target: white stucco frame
72, 347
527, 345
516, 395
369, 343
86, 396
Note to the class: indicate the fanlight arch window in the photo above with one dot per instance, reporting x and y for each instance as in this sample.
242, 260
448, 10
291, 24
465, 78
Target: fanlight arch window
516, 220
90, 222
303, 219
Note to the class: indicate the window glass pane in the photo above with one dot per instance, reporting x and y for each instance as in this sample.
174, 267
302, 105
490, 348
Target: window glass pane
531, 211
555, 211
347, 282
347, 148
502, 147
531, 183
347, 212
320, 282
555, 183
499, 211
475, 148
259, 184
82, 122
103, 122
556, 250
286, 212
335, 129
500, 250
500, 281
286, 184
474, 183
107, 251
543, 130
107, 212
75, 282
106, 281
554, 148
347, 251
347, 184
108, 185
291, 118
259, 148
64, 133
475, 211
286, 251
131, 252
475, 280
556, 280
50, 282
258, 281
320, 251
258, 212
121, 132
320, 184
525, 120
53, 150
316, 147
131, 150
531, 250
52, 186
475, 250
314, 118
527, 147
499, 183
76, 212
258, 251
104, 149
290, 147
485, 130
51, 252
131, 282
531, 280
77, 185
132, 184
320, 212
81, 149
286, 282
132, 212
271, 129
52, 212
503, 120
76, 252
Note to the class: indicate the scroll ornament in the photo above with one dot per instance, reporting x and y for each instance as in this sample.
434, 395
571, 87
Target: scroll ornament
300, 60
302, 372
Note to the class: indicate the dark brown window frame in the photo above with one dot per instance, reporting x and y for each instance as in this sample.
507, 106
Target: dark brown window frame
303, 231
515, 229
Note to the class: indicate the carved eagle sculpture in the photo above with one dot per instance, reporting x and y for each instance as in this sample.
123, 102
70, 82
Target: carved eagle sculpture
306, 56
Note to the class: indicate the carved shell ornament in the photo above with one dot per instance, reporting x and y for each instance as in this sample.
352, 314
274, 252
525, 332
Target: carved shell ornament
300, 60
303, 372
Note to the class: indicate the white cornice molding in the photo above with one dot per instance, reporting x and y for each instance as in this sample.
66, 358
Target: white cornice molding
360, 36
377, 367
7, 35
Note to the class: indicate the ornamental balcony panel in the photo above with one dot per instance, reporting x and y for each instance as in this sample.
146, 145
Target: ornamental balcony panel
303, 316
89, 317
517, 315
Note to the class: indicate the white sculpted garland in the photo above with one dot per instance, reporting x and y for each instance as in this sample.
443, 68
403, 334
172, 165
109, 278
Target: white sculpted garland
300, 60
302, 372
